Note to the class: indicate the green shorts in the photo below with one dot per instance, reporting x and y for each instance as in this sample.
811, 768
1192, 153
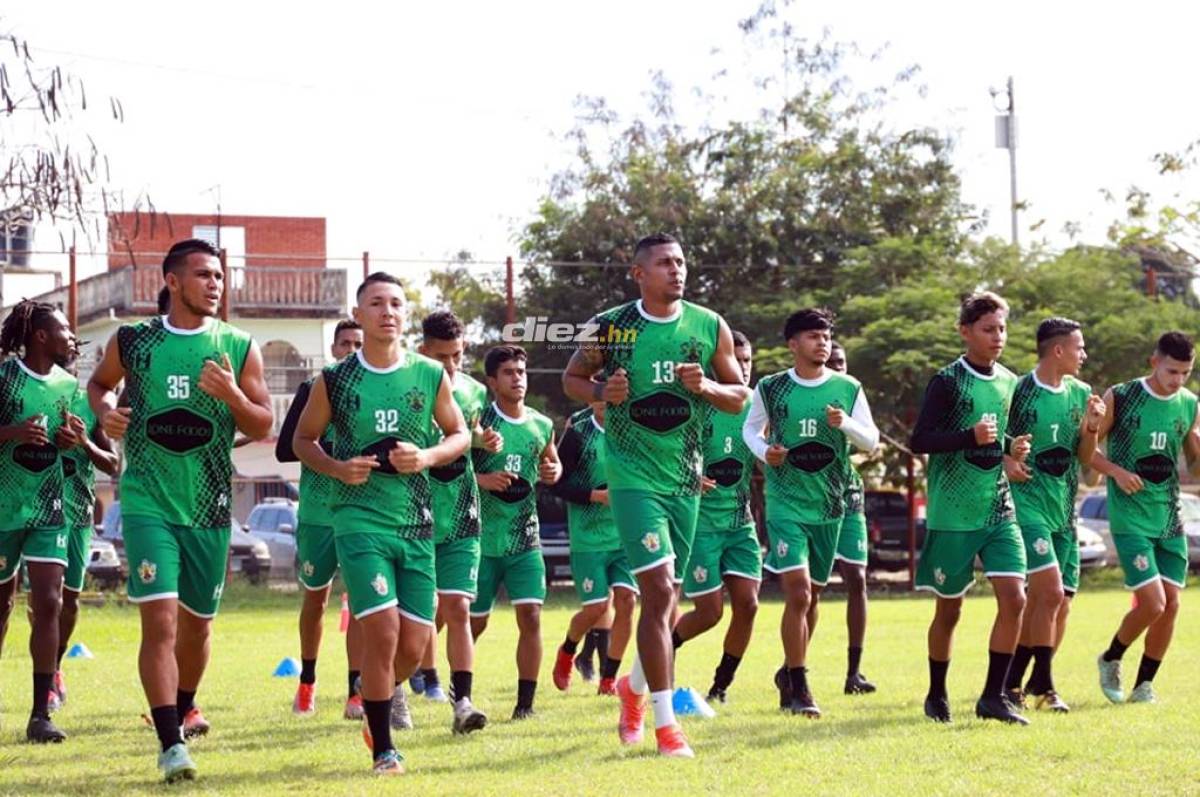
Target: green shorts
34, 545
796, 546
317, 554
852, 539
720, 554
169, 561
596, 572
655, 528
79, 553
522, 574
947, 566
458, 567
384, 570
1045, 549
1145, 559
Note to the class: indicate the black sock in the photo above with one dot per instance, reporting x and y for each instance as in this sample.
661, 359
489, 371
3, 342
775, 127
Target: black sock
525, 690
676, 640
1147, 670
723, 677
308, 671
1016, 670
997, 671
460, 684
62, 651
184, 702
798, 676
1115, 650
166, 725
569, 645
43, 682
1040, 680
601, 635
589, 645
853, 660
351, 678
609, 667
937, 677
379, 714
431, 677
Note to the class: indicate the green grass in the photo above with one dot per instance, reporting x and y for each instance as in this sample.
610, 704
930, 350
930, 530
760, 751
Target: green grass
877, 744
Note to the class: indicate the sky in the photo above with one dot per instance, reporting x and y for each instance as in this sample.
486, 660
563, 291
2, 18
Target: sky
421, 131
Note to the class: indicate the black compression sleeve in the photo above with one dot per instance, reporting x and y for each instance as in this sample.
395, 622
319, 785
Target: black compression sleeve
283, 446
928, 437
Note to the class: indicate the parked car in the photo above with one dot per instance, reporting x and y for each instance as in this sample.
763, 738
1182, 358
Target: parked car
556, 551
887, 527
1093, 515
104, 565
1093, 552
274, 521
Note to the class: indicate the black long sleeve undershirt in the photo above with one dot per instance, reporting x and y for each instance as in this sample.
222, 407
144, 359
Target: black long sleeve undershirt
283, 445
928, 437
570, 448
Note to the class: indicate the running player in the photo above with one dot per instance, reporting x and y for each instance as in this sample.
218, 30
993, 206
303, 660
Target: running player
801, 424
599, 566
962, 424
1063, 417
726, 550
315, 550
35, 425
511, 547
654, 353
1148, 422
456, 526
191, 380
383, 404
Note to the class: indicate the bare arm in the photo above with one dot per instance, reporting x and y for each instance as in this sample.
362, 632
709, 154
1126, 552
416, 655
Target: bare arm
449, 417
550, 468
100, 451
586, 362
1191, 447
1089, 429
102, 391
307, 447
246, 395
726, 392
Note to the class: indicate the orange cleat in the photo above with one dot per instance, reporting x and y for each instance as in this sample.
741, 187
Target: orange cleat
633, 712
562, 669
305, 702
672, 743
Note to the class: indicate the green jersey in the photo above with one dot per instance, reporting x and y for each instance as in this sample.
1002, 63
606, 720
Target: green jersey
855, 492
968, 489
1146, 438
31, 477
455, 494
729, 462
316, 488
811, 483
372, 410
179, 440
653, 436
1052, 417
509, 518
592, 528
79, 474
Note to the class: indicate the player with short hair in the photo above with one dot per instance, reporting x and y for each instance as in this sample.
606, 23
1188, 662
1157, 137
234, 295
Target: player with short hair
510, 542
191, 381
801, 424
316, 552
1062, 417
962, 426
1148, 423
654, 353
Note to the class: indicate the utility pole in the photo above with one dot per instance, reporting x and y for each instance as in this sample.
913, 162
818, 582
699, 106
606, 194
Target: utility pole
1006, 138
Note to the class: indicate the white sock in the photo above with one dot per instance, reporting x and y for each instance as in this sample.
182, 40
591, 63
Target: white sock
664, 709
637, 678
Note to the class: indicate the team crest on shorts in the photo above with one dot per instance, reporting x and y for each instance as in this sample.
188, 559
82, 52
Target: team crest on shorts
1041, 546
1141, 562
651, 543
939, 576
379, 584
147, 571
588, 584
308, 568
781, 549
700, 574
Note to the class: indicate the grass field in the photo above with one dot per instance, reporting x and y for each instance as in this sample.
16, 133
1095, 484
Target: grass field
877, 744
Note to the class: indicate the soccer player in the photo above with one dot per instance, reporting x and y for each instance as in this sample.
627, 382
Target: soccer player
654, 353
962, 426
726, 550
315, 549
190, 381
1148, 421
511, 546
1062, 417
801, 423
599, 566
456, 525
393, 418
35, 426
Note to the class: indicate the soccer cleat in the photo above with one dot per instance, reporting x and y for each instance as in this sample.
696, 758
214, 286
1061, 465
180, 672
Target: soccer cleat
176, 764
716, 695
41, 730
401, 717
304, 704
1142, 693
585, 668
672, 743
1050, 701
194, 724
633, 712
997, 708
416, 682
784, 684
435, 694
389, 762
562, 669
1110, 680
857, 684
60, 687
937, 708
53, 701
804, 705
467, 718
354, 708
608, 686
1015, 699
522, 712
